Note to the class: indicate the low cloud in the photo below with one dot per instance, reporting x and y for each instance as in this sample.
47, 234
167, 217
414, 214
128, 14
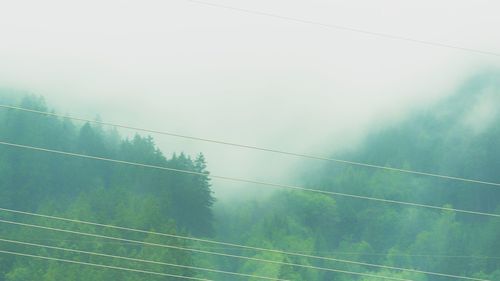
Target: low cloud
243, 78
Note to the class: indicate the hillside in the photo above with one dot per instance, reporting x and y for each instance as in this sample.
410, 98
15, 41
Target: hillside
458, 137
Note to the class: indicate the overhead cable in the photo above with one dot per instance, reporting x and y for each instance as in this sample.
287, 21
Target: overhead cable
166, 246
272, 185
103, 266
138, 260
251, 147
346, 28
237, 245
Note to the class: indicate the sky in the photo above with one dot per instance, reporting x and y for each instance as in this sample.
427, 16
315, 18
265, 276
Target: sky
186, 67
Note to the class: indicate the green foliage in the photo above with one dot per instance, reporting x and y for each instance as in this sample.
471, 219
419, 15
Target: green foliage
439, 139
95, 191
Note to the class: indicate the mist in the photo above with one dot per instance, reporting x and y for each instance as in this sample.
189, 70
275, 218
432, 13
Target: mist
414, 86
215, 73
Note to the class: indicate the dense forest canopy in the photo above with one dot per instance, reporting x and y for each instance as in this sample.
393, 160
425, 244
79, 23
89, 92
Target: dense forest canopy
454, 137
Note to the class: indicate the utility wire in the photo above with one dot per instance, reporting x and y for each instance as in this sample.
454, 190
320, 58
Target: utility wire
238, 246
289, 253
103, 266
197, 250
138, 260
346, 28
244, 146
272, 185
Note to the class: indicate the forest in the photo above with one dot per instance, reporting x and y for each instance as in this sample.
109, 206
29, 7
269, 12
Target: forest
450, 137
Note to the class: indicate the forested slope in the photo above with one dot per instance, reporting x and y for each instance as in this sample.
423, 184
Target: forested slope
459, 137
84, 189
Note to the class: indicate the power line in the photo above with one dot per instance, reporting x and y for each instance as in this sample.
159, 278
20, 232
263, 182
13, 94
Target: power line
272, 185
346, 28
296, 252
244, 146
237, 245
103, 266
138, 260
197, 250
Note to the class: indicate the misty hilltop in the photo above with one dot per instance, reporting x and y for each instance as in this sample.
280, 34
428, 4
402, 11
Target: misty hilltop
249, 140
458, 136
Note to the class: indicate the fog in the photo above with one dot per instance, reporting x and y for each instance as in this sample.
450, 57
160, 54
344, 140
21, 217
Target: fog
192, 69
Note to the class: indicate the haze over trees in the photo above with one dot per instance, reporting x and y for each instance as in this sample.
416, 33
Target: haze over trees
458, 136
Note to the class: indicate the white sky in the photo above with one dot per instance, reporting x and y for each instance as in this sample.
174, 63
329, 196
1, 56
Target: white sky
189, 68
